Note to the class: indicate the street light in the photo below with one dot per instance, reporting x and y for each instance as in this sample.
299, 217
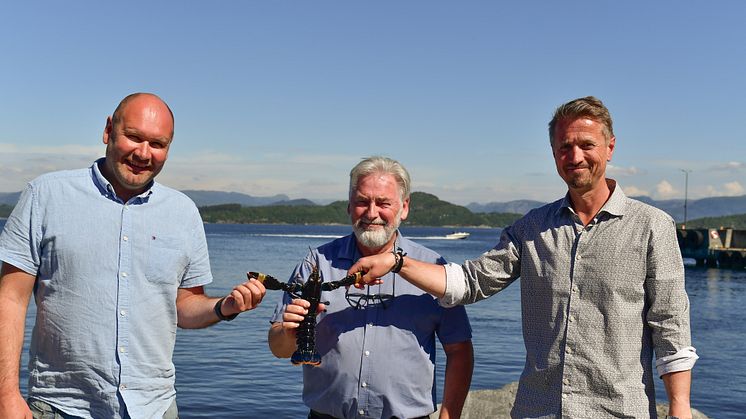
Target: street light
686, 193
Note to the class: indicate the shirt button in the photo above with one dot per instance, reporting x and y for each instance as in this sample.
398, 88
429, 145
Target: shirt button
361, 411
364, 384
367, 353
577, 257
122, 313
564, 395
125, 238
571, 319
124, 274
370, 324
575, 289
123, 387
121, 349
568, 349
566, 381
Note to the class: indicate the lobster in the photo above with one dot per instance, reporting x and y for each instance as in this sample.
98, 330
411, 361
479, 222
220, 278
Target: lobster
310, 291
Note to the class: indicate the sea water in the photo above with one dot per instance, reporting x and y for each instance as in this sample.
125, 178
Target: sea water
227, 370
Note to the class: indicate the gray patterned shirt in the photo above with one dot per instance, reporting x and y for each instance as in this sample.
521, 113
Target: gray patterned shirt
597, 302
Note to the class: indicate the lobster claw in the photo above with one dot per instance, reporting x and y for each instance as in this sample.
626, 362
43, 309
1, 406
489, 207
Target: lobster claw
269, 282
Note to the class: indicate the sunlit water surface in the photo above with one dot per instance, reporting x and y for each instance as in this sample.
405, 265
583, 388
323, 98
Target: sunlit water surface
227, 370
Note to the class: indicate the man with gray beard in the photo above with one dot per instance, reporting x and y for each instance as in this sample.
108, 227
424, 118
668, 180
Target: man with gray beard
358, 331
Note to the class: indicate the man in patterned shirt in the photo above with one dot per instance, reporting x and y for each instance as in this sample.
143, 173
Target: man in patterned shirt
602, 287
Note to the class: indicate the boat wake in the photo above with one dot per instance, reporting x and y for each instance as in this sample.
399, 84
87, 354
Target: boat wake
302, 236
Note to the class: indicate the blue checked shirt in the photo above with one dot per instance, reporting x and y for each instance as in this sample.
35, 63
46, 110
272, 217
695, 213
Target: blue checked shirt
597, 302
107, 274
376, 362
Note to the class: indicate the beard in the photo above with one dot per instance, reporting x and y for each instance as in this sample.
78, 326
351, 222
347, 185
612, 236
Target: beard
376, 237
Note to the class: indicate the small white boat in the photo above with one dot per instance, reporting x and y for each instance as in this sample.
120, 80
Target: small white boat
457, 235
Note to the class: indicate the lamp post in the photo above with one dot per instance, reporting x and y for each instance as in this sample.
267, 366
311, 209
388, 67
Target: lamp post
686, 193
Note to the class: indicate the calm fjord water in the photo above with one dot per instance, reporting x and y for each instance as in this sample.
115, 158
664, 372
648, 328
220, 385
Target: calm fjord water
227, 371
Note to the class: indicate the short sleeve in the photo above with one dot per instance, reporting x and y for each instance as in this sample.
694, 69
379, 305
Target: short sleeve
20, 239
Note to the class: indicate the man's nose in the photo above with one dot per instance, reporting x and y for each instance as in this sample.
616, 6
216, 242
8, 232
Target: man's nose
575, 155
142, 151
372, 211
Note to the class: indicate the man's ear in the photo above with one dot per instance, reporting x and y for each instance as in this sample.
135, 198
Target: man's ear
107, 130
404, 209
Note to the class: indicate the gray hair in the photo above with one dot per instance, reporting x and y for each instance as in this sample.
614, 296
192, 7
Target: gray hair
384, 165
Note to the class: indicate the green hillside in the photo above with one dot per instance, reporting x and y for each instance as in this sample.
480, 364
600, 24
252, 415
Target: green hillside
732, 221
425, 210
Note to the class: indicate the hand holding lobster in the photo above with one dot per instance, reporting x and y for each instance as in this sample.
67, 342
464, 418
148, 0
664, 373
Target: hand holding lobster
300, 314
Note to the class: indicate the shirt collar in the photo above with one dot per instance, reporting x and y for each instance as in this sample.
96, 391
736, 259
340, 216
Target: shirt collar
615, 205
106, 187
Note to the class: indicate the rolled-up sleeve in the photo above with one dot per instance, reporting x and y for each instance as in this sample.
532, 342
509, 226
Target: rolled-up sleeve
484, 276
668, 311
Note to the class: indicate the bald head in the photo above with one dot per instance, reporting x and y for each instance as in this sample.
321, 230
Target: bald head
116, 117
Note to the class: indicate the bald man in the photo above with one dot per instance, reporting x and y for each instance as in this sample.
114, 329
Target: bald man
115, 261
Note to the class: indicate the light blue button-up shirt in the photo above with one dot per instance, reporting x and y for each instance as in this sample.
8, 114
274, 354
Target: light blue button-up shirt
376, 362
107, 273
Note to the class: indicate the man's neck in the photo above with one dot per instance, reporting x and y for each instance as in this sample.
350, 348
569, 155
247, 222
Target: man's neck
122, 193
587, 203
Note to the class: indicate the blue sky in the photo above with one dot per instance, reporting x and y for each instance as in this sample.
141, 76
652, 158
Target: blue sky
286, 96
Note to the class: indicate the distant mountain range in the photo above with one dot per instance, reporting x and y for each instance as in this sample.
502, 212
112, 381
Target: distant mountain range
205, 198
696, 208
520, 206
9, 198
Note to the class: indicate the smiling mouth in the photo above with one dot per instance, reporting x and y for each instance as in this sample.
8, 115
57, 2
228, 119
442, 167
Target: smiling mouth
137, 168
370, 226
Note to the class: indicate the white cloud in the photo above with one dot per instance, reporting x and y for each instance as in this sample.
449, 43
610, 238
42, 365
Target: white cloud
64, 150
635, 191
615, 171
733, 189
729, 166
664, 190
728, 189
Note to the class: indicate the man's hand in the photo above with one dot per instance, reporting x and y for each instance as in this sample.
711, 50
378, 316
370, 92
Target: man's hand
295, 312
281, 337
13, 406
244, 297
373, 268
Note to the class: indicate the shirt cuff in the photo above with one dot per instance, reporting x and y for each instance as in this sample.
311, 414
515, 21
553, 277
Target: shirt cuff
682, 360
455, 285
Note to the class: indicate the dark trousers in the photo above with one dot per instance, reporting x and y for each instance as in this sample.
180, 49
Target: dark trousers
318, 415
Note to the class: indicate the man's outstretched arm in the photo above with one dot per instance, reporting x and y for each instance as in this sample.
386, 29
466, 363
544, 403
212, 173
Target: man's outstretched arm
196, 310
428, 277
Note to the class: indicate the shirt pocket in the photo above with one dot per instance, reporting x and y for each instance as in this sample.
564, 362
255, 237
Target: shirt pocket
166, 260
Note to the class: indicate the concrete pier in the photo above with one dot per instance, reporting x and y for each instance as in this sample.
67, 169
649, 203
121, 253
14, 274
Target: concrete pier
496, 404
